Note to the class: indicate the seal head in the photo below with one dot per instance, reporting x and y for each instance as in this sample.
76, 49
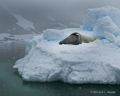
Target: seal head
74, 38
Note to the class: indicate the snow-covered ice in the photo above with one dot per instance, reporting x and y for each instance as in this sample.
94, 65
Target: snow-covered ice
7, 37
3, 35
109, 36
94, 62
92, 16
105, 24
23, 22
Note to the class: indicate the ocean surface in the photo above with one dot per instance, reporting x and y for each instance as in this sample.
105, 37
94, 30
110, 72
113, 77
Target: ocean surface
11, 83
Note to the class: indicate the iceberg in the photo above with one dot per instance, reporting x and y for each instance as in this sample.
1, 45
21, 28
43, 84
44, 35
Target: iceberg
45, 60
102, 20
92, 15
95, 62
105, 24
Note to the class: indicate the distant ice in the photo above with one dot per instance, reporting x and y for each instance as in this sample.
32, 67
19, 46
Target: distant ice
6, 37
24, 22
3, 35
23, 37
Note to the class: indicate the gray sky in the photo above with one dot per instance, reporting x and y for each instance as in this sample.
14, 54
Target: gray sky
68, 8
61, 3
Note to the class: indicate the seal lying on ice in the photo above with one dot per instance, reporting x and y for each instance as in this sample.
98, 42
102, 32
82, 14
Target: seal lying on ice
76, 38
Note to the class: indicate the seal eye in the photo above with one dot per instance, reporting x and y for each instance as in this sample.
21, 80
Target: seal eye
75, 33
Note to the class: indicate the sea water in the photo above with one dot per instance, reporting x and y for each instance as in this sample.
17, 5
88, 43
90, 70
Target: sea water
11, 83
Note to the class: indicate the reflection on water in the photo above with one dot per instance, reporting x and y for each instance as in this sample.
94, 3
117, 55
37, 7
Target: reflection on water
13, 50
11, 83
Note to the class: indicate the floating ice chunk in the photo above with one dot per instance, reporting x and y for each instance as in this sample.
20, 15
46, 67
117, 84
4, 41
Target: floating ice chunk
109, 36
105, 24
95, 62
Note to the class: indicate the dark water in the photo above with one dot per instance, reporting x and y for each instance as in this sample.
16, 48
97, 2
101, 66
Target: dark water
12, 51
11, 84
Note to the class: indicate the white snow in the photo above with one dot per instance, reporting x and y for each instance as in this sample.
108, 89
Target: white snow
92, 16
117, 41
94, 62
109, 36
105, 24
26, 24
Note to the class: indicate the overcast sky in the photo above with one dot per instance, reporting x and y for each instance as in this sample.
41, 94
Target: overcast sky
62, 3
73, 8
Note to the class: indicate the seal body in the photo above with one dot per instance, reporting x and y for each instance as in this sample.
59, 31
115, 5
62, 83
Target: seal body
87, 39
76, 38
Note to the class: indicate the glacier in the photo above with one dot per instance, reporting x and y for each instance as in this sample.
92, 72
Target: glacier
24, 23
96, 62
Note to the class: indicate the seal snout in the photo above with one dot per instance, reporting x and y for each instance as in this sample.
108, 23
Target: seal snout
60, 43
71, 39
